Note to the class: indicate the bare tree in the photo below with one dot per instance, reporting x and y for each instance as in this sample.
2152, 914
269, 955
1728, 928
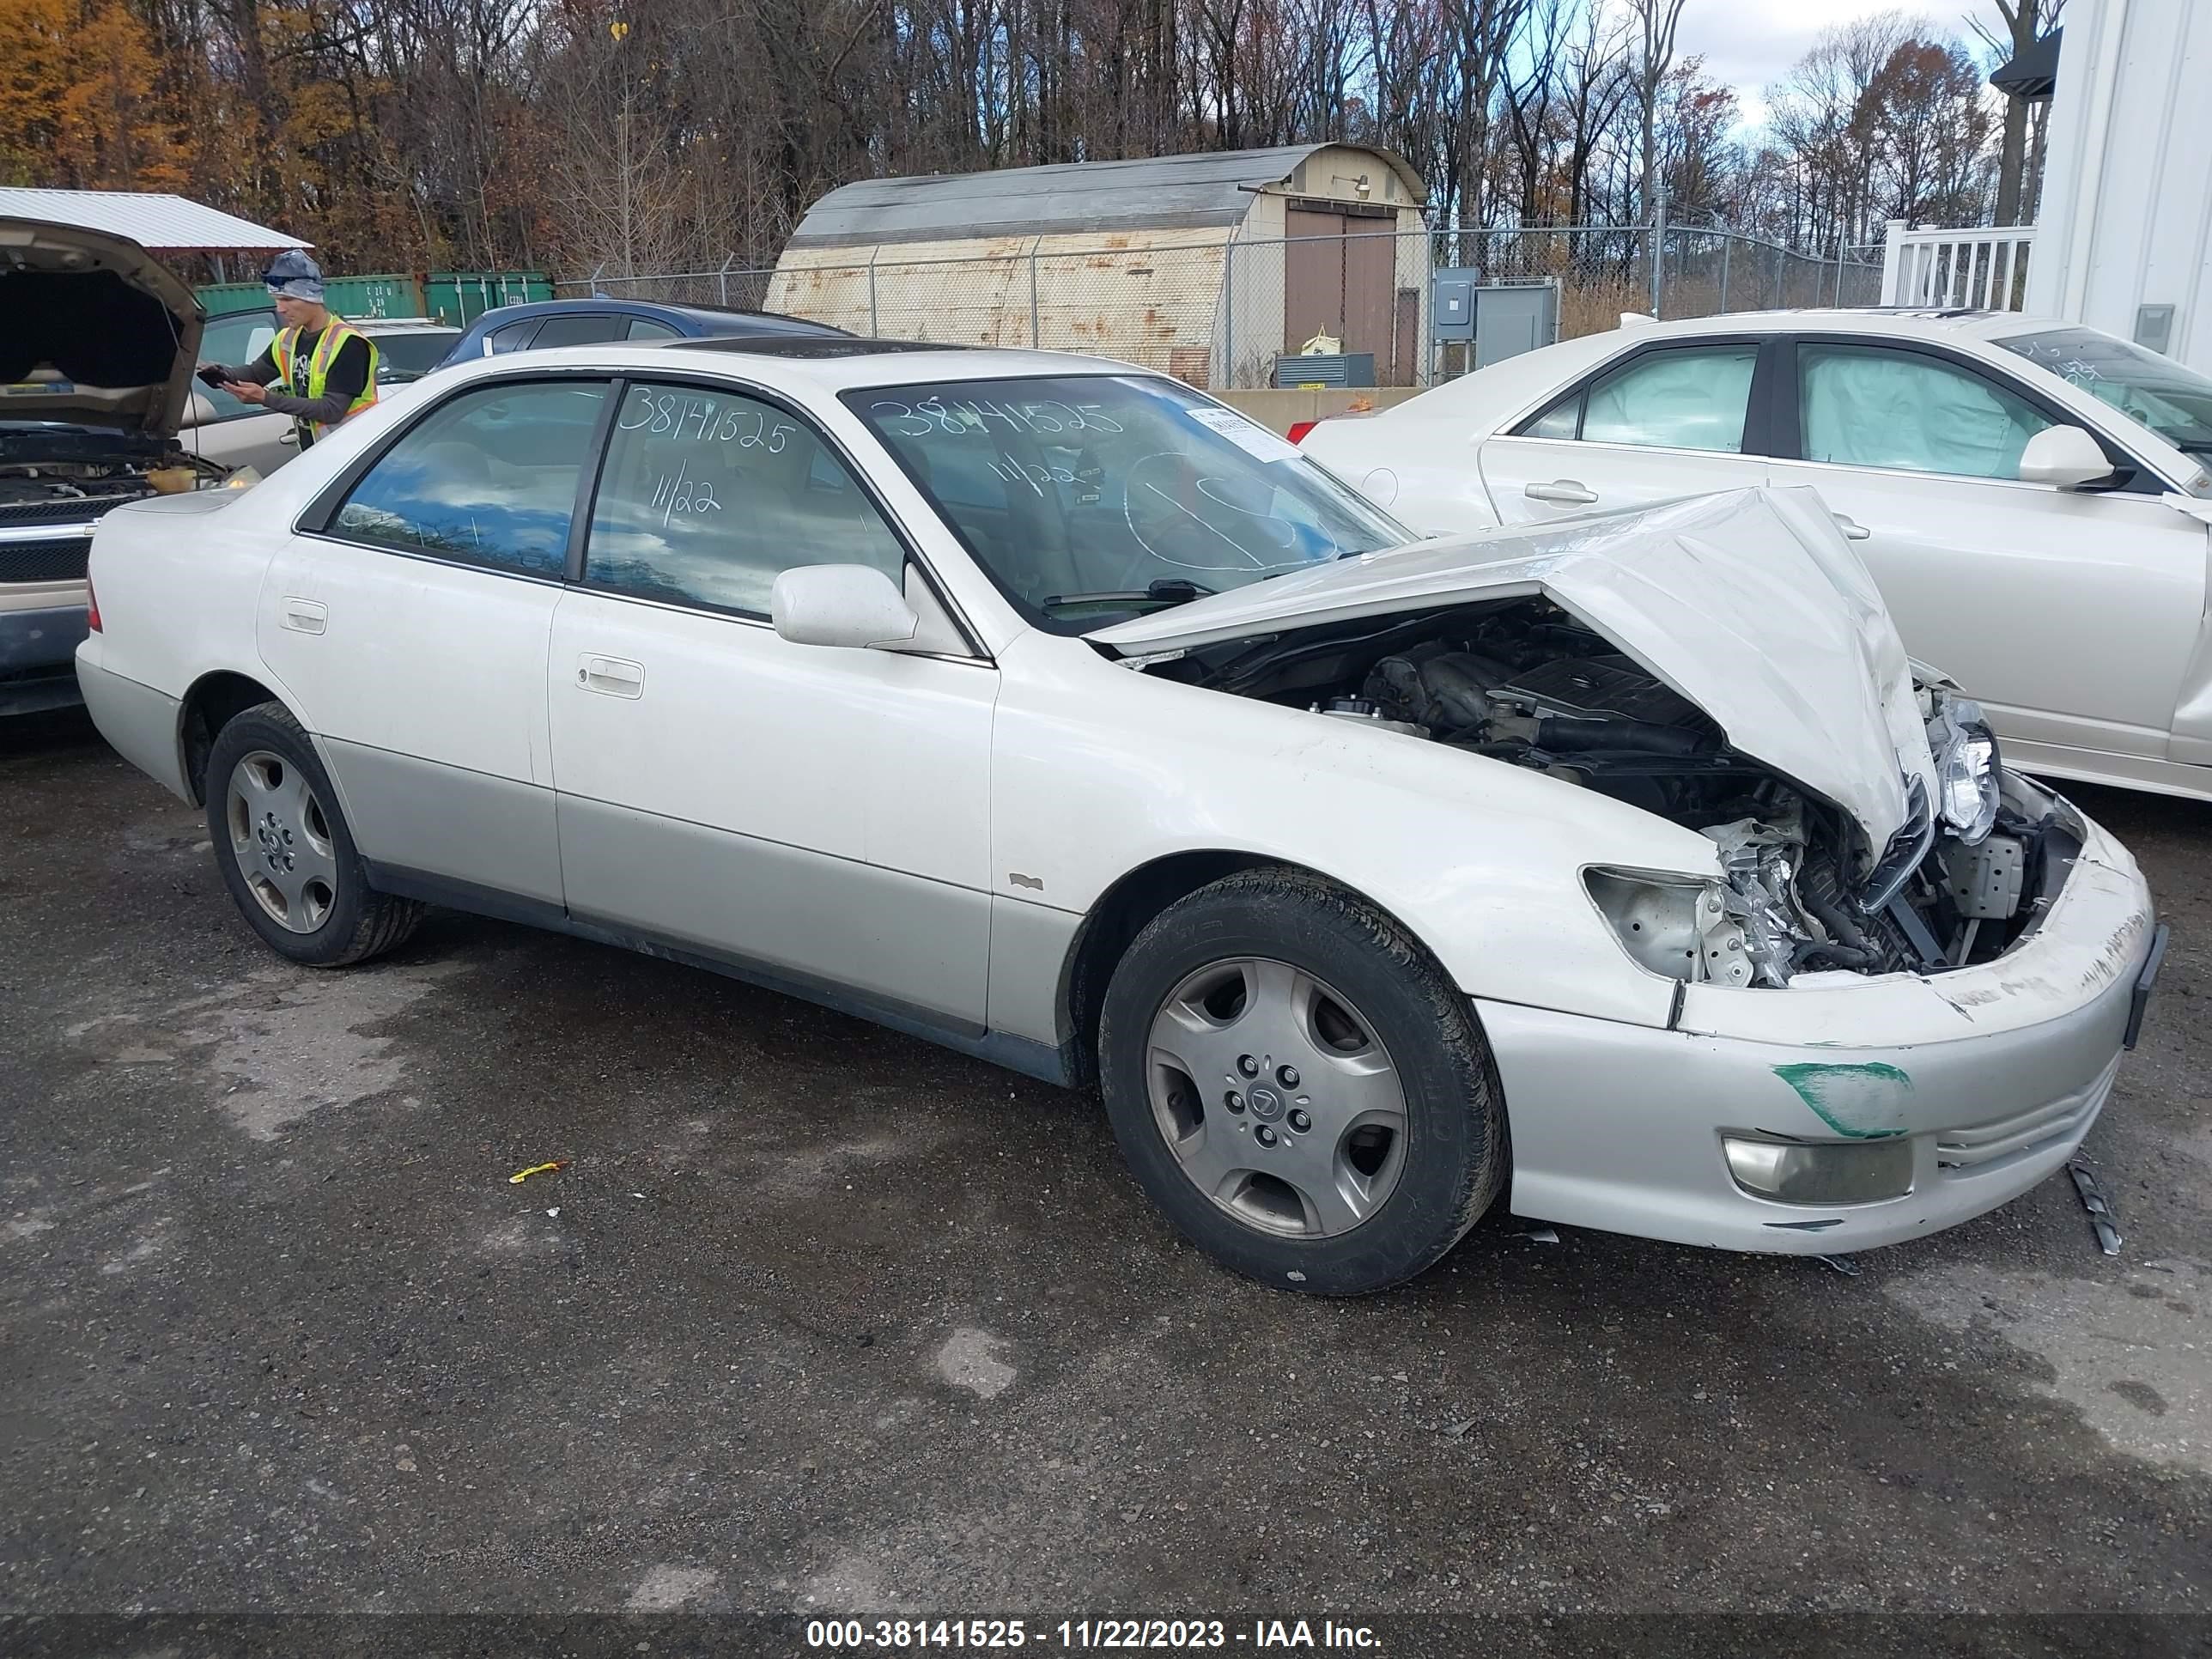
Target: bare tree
1656, 22
2026, 23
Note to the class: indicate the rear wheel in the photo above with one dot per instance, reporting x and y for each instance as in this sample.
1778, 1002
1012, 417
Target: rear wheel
284, 849
1298, 1086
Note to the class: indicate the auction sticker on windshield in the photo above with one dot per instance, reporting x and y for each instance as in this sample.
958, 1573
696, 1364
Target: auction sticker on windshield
1247, 436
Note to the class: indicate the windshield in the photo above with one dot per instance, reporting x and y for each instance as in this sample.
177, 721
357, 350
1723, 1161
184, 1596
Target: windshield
1090, 499
2174, 401
412, 354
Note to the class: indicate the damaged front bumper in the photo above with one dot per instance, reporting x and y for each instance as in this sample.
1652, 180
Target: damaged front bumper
1989, 1076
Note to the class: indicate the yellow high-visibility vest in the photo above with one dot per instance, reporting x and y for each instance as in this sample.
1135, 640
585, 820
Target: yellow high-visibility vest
284, 351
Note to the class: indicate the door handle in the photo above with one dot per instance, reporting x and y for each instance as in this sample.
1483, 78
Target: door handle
290, 435
305, 615
1567, 492
1853, 529
612, 677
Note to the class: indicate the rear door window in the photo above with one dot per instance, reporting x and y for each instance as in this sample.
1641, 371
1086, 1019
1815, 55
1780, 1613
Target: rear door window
589, 328
1687, 397
236, 340
487, 477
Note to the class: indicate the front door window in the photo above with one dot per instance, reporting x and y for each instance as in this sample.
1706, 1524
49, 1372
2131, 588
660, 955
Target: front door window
1873, 407
709, 496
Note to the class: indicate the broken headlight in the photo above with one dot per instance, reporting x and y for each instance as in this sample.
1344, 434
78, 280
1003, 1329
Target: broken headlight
1968, 773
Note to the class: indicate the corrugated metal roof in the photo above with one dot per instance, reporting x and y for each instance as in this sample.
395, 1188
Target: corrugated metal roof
160, 224
1156, 191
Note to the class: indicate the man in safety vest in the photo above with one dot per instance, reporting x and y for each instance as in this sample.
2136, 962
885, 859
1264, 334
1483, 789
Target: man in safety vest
327, 368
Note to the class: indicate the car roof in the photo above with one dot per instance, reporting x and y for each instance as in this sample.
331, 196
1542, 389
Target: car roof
713, 319
834, 364
400, 325
1922, 321
1512, 383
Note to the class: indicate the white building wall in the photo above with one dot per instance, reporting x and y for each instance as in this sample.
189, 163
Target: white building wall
2126, 215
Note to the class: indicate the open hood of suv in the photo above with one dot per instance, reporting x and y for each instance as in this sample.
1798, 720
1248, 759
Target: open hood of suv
94, 331
1750, 604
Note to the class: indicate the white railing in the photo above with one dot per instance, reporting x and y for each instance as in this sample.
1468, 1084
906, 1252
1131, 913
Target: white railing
1985, 268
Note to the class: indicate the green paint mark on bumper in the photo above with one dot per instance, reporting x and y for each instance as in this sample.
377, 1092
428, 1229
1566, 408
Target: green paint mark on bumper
1864, 1102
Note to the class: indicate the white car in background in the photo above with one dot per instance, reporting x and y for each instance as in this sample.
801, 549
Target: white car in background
2030, 496
1050, 710
218, 428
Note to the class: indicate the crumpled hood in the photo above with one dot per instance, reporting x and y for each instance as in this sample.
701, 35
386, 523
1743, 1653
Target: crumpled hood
94, 331
1750, 604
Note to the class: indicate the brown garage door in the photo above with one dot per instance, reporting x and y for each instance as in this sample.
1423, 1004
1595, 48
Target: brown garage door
1369, 266
1312, 276
1339, 278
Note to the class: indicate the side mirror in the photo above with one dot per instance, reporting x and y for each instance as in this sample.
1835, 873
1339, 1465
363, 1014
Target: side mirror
853, 605
198, 410
2065, 456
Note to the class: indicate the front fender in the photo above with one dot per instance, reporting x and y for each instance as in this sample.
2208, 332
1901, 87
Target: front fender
1098, 771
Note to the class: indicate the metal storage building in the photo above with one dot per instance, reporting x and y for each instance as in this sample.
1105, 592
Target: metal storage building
2124, 240
1207, 266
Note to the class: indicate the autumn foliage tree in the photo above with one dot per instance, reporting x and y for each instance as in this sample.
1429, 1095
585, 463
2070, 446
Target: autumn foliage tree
635, 135
79, 98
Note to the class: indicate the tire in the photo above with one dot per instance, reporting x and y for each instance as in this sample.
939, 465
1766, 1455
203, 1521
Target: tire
284, 850
1272, 969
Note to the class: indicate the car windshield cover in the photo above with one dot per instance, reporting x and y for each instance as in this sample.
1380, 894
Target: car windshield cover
2174, 401
412, 354
1090, 499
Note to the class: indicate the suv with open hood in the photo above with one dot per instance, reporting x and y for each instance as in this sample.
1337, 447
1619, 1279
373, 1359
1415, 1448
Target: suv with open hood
97, 345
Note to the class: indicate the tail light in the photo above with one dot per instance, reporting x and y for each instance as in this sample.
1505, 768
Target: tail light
91, 607
1300, 428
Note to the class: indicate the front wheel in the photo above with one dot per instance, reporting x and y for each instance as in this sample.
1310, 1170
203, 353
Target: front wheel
1298, 1085
284, 849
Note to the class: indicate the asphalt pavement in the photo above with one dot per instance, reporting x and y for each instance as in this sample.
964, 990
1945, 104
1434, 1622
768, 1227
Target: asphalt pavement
821, 1318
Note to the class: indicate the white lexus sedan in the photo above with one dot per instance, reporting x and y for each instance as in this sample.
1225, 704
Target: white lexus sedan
2031, 496
1046, 708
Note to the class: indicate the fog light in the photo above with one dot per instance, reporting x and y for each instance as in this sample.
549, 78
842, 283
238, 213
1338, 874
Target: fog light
1822, 1171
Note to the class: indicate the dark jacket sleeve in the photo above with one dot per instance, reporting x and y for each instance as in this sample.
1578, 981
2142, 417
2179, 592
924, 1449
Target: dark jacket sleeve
259, 372
347, 379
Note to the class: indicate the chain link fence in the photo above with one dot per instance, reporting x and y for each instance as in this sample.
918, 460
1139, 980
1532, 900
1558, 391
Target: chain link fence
1226, 313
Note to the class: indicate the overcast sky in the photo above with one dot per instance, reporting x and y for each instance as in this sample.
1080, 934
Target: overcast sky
1750, 43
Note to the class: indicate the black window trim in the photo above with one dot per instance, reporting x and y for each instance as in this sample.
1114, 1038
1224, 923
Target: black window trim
1790, 444
587, 503
1759, 405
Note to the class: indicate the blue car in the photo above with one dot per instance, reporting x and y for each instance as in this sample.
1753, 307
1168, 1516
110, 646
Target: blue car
546, 323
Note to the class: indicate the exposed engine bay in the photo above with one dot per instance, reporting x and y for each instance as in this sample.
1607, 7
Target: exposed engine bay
53, 463
55, 474
1523, 682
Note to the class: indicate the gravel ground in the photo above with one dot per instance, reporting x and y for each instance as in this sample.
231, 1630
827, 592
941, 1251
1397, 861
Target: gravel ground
823, 1318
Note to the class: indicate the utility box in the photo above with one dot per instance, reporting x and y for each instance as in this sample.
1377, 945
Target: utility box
1451, 309
1499, 319
1511, 318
